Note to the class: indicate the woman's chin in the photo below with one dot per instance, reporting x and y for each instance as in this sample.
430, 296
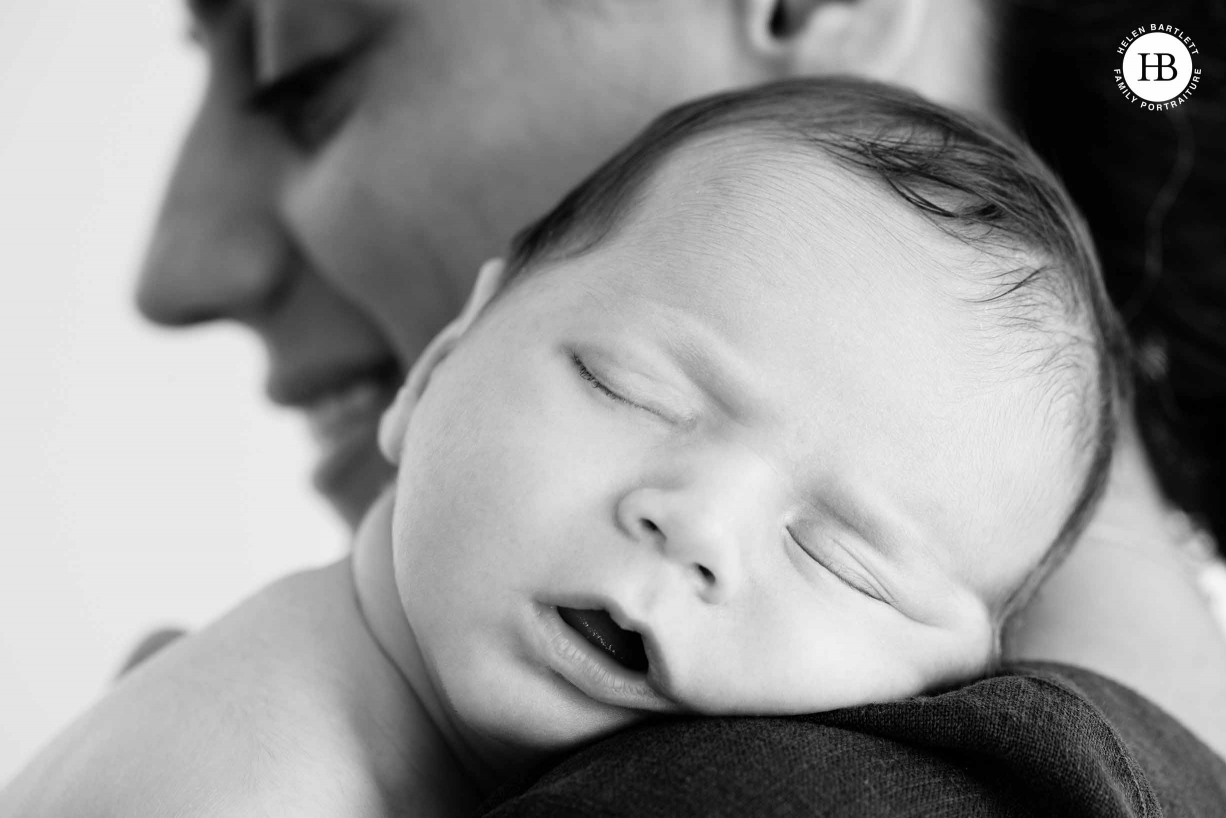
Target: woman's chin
351, 476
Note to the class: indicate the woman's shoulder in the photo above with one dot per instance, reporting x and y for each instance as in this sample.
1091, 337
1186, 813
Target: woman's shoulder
1062, 740
253, 713
1038, 739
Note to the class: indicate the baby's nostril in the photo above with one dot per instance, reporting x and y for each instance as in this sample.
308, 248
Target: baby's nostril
650, 526
707, 576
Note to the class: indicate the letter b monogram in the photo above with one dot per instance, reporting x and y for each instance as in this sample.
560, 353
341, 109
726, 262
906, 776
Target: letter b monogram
1162, 63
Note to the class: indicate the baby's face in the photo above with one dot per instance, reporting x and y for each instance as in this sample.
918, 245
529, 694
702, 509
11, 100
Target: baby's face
755, 429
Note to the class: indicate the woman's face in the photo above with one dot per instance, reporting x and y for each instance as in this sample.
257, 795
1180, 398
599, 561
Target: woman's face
353, 162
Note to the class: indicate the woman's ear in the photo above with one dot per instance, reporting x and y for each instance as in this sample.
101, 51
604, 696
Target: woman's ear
868, 38
395, 421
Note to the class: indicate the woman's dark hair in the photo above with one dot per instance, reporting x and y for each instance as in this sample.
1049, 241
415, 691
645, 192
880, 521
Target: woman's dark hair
1153, 186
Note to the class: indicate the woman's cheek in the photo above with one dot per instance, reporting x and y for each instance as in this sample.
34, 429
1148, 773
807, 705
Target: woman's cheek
358, 231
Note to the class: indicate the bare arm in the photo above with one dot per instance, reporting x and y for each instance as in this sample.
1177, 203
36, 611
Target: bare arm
1126, 605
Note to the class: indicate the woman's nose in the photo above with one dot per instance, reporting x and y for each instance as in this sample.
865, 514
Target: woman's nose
218, 250
708, 525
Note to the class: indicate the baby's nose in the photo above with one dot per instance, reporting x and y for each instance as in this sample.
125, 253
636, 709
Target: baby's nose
709, 527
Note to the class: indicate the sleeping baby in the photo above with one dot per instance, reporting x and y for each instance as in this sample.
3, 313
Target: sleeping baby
786, 408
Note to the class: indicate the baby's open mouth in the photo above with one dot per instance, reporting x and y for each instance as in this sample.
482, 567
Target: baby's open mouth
598, 628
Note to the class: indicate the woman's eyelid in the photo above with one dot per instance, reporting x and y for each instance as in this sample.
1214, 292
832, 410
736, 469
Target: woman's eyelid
313, 101
288, 88
288, 38
311, 68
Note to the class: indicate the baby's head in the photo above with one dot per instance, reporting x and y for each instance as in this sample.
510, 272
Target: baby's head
784, 409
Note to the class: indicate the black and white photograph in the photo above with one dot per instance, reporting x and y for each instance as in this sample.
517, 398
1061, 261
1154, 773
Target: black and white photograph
613, 408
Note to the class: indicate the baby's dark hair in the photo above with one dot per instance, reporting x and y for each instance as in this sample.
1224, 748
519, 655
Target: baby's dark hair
972, 180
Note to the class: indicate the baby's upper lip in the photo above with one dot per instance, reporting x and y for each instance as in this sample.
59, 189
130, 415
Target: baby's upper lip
657, 665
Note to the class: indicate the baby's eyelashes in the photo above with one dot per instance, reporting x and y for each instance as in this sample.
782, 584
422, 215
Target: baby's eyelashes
598, 384
840, 572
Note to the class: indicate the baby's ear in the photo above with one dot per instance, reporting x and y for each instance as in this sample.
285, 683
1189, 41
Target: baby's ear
395, 421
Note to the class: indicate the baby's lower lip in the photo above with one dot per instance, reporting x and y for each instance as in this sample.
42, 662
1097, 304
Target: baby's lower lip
564, 651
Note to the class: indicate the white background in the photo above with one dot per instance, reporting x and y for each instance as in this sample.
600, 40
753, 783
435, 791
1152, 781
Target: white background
143, 479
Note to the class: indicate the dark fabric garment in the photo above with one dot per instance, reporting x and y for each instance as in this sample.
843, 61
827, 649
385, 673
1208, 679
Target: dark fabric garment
1037, 740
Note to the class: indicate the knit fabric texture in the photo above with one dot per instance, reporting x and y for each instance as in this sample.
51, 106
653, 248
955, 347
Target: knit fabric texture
1040, 739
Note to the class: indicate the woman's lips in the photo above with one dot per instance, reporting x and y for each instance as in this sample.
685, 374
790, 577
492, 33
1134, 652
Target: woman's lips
351, 471
334, 417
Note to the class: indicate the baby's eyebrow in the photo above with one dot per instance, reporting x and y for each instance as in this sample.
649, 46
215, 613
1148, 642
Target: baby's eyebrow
721, 376
874, 522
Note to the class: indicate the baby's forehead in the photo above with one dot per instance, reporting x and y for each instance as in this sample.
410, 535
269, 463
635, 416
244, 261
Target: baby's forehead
771, 204
765, 193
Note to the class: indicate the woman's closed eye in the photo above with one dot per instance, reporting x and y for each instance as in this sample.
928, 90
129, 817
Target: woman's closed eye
310, 102
848, 578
